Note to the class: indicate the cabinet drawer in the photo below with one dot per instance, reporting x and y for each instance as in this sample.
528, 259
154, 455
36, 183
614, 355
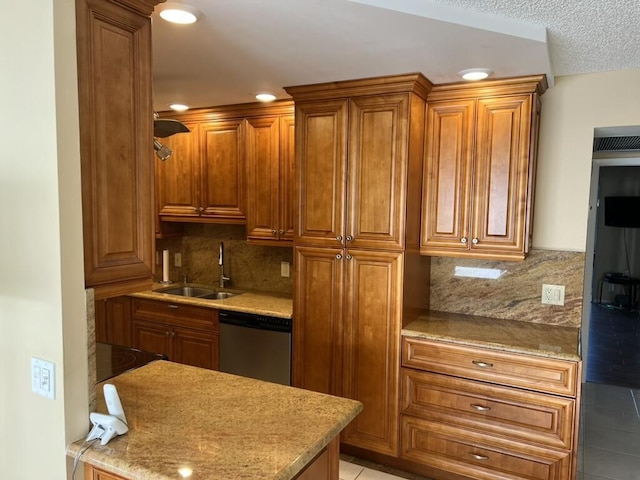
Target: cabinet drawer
479, 456
496, 410
176, 314
505, 368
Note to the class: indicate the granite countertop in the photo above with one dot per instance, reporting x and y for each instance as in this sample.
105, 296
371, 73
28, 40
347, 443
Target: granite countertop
260, 303
219, 426
508, 335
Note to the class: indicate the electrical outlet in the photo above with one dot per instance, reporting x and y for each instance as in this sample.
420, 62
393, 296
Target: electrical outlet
177, 259
285, 269
553, 294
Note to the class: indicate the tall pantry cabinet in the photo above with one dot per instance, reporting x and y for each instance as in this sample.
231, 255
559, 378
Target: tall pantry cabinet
358, 272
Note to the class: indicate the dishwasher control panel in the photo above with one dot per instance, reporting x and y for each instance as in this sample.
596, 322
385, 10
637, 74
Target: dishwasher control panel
252, 320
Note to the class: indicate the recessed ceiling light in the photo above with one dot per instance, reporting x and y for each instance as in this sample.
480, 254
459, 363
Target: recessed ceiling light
179, 13
265, 97
179, 107
475, 73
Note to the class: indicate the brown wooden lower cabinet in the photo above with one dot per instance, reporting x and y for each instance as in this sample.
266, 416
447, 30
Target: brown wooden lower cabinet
475, 455
462, 417
113, 321
184, 333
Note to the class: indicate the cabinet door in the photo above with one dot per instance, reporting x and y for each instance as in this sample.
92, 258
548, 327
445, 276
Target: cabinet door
446, 191
471, 454
113, 321
318, 310
263, 172
116, 135
152, 337
177, 189
321, 169
192, 347
93, 473
223, 171
376, 201
373, 318
287, 162
501, 175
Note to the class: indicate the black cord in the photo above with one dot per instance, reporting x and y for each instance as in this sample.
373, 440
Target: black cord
79, 454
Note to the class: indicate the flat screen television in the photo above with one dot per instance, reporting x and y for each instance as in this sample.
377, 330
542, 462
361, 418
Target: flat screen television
622, 212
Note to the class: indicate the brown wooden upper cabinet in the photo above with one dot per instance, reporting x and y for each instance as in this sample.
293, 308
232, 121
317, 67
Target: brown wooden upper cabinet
479, 168
203, 181
116, 138
352, 193
270, 153
232, 167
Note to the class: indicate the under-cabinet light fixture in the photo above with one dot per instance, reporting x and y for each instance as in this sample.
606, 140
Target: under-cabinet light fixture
473, 74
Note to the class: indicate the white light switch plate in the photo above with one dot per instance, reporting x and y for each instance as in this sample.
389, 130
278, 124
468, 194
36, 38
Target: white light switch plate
43, 378
177, 259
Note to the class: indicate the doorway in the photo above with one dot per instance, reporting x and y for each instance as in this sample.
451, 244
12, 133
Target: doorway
611, 309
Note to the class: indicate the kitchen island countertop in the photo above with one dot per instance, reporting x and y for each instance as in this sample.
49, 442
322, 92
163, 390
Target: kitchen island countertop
508, 335
215, 425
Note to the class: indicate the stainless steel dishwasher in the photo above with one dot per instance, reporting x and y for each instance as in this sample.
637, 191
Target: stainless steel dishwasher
256, 346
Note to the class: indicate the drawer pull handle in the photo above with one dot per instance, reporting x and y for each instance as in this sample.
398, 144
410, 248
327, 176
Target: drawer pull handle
171, 305
480, 408
477, 456
482, 364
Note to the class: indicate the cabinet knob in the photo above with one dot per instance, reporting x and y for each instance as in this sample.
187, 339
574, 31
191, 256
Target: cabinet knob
349, 257
200, 209
349, 238
463, 239
474, 241
273, 232
171, 305
339, 256
480, 408
482, 364
477, 456
339, 238
281, 232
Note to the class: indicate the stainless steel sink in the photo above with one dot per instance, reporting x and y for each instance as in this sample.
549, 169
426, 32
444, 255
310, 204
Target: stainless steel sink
197, 292
218, 295
186, 291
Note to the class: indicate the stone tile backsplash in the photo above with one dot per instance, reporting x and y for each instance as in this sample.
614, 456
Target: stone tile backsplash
250, 267
516, 295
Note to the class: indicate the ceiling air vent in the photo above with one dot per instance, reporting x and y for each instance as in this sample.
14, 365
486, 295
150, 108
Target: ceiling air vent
616, 144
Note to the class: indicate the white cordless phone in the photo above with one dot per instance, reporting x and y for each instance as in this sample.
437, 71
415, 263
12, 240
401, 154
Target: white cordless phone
105, 427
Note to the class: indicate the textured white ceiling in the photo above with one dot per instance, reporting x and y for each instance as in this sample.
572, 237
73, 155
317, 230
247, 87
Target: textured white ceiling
584, 36
240, 47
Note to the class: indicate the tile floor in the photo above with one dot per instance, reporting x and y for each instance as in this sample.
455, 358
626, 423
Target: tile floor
609, 446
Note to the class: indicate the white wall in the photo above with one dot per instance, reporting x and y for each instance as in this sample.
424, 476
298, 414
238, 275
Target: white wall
570, 112
42, 311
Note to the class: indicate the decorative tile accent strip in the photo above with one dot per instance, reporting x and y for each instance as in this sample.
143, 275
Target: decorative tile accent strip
516, 295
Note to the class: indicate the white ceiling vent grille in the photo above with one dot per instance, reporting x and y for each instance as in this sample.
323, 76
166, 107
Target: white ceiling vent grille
616, 144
